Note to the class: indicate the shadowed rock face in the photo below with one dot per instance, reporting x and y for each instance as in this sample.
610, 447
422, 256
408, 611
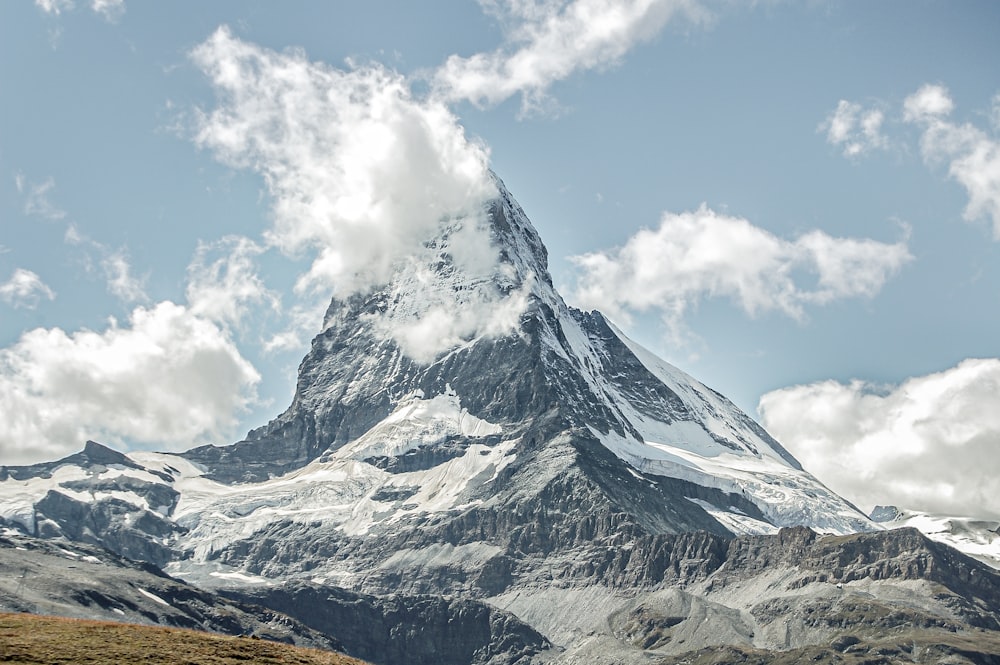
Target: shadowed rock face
406, 630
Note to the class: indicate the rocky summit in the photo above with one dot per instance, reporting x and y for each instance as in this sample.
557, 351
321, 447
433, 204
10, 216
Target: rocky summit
551, 492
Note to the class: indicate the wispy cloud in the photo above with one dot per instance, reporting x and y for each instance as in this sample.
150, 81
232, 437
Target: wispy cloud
37, 200
704, 254
549, 41
115, 267
971, 153
854, 129
111, 10
54, 7
223, 282
24, 289
928, 443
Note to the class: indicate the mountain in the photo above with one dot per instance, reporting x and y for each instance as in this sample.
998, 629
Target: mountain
979, 538
588, 500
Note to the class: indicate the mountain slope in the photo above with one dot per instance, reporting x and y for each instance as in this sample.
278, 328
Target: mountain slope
554, 470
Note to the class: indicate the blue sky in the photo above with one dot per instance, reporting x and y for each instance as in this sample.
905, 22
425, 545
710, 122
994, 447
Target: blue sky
797, 203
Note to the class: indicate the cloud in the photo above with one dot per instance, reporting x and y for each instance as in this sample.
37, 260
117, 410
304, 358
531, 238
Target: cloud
121, 283
931, 101
547, 41
168, 379
226, 288
972, 155
54, 7
24, 289
704, 254
114, 265
36, 198
362, 173
854, 129
111, 10
927, 444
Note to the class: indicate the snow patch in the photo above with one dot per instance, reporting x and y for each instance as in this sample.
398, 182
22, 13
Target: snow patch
153, 597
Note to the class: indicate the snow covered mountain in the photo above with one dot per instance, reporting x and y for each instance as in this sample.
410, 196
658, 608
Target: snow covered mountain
551, 468
979, 538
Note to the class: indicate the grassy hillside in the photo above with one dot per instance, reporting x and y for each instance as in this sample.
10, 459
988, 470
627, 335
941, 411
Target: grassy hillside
28, 638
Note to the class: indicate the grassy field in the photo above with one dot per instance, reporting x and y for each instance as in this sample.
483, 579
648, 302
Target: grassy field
28, 638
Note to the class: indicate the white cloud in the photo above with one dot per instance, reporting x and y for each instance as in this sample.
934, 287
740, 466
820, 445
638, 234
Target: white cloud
36, 198
54, 7
111, 10
169, 379
927, 444
24, 289
854, 129
931, 101
549, 40
121, 283
362, 173
704, 254
972, 155
225, 288
114, 265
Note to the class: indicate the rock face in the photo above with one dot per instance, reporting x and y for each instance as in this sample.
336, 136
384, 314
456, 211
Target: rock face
554, 491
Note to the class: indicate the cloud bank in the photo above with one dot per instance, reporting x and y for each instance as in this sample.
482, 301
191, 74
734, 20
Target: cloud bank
704, 254
168, 379
927, 444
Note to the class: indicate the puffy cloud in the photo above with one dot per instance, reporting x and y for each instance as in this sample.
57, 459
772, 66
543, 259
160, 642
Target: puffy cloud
854, 129
362, 173
927, 444
24, 289
36, 198
931, 101
549, 40
168, 379
972, 155
700, 254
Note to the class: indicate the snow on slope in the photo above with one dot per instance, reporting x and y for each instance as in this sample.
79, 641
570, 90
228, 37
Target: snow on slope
340, 488
978, 538
714, 445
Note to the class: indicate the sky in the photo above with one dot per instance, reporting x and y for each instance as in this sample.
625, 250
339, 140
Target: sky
798, 203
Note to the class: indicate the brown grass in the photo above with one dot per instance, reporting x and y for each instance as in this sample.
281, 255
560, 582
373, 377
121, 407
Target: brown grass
28, 638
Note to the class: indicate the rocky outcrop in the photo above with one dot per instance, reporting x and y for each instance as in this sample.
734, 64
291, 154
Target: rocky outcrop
83, 581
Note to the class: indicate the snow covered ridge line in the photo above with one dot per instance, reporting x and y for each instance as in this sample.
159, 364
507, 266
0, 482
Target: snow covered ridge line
979, 538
